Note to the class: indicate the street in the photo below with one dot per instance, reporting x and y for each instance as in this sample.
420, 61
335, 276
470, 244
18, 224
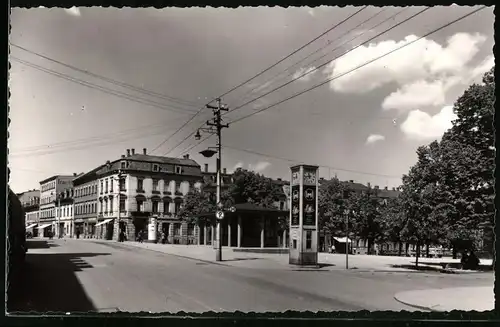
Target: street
83, 275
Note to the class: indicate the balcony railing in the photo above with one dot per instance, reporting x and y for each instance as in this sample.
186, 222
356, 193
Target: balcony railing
178, 192
156, 192
140, 190
167, 192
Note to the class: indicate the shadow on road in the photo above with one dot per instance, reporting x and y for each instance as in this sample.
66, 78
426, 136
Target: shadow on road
48, 283
241, 259
40, 244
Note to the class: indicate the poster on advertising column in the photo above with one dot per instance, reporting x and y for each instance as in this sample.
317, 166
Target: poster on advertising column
309, 206
295, 205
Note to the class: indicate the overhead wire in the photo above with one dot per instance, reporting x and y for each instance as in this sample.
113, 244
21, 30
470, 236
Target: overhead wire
329, 61
357, 67
270, 81
103, 89
109, 80
249, 80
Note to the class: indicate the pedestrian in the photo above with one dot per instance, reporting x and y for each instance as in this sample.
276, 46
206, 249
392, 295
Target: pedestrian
163, 240
332, 249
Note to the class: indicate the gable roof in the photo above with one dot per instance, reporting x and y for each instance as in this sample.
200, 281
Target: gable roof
160, 159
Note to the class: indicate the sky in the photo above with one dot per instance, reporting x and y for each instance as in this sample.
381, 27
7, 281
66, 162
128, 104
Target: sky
97, 81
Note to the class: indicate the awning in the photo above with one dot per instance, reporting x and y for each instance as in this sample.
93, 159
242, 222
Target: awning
31, 226
44, 226
341, 239
103, 222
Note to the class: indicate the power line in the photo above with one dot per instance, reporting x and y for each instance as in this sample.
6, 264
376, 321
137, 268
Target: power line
102, 88
78, 147
110, 80
252, 78
88, 139
322, 166
360, 66
294, 52
328, 62
274, 78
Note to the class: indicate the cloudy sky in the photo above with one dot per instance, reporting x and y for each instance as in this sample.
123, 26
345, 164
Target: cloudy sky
71, 110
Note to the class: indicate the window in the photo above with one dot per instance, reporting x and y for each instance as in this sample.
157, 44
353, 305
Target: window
106, 190
308, 239
155, 206
122, 204
282, 205
166, 207
178, 169
294, 244
140, 183
177, 207
101, 186
140, 205
190, 230
123, 164
111, 187
122, 184
156, 167
177, 229
155, 185
111, 209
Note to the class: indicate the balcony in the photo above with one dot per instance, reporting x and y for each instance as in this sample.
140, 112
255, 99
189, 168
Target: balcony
155, 192
178, 193
140, 190
140, 214
167, 193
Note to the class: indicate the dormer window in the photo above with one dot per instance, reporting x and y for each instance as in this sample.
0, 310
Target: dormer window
156, 167
123, 164
178, 169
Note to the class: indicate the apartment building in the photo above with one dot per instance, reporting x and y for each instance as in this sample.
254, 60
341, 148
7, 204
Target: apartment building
65, 212
49, 189
30, 200
144, 193
85, 204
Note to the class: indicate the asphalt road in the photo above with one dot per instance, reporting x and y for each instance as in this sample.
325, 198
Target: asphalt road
77, 275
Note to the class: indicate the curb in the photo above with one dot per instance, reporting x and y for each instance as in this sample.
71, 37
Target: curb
416, 306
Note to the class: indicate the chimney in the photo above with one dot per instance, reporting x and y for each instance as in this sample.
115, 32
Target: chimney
385, 188
144, 151
74, 174
393, 188
224, 171
351, 181
128, 152
206, 168
369, 185
279, 179
132, 151
376, 187
123, 156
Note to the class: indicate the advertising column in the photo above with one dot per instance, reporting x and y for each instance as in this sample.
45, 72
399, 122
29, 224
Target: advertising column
303, 215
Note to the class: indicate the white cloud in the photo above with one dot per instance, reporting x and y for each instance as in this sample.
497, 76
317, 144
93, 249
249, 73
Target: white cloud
421, 60
414, 95
421, 126
302, 71
259, 167
374, 138
73, 11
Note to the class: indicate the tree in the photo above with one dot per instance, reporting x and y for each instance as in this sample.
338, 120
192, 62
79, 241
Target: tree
331, 205
392, 221
250, 187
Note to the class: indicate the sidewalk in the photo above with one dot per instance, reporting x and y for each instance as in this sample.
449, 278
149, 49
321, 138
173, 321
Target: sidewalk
448, 299
250, 260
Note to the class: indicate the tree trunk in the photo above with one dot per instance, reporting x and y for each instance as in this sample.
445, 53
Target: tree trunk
400, 248
454, 250
407, 246
427, 250
370, 245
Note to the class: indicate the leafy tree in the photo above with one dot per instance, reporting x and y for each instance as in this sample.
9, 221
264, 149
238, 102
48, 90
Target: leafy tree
392, 221
331, 205
250, 187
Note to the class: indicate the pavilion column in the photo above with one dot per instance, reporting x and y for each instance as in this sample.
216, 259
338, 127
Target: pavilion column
212, 234
239, 231
262, 234
228, 232
198, 235
205, 229
284, 239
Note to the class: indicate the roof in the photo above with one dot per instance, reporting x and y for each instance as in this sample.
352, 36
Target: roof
89, 173
54, 177
250, 208
160, 159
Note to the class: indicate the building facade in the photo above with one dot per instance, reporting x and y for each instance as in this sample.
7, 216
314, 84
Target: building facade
49, 189
141, 193
65, 212
85, 204
30, 200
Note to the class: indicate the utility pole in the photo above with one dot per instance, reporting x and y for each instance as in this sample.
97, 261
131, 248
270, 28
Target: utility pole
347, 240
215, 127
58, 213
119, 176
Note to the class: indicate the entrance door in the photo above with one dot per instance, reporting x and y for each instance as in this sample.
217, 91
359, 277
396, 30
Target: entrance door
140, 226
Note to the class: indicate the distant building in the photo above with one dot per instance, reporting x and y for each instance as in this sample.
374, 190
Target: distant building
85, 190
49, 188
30, 200
65, 212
